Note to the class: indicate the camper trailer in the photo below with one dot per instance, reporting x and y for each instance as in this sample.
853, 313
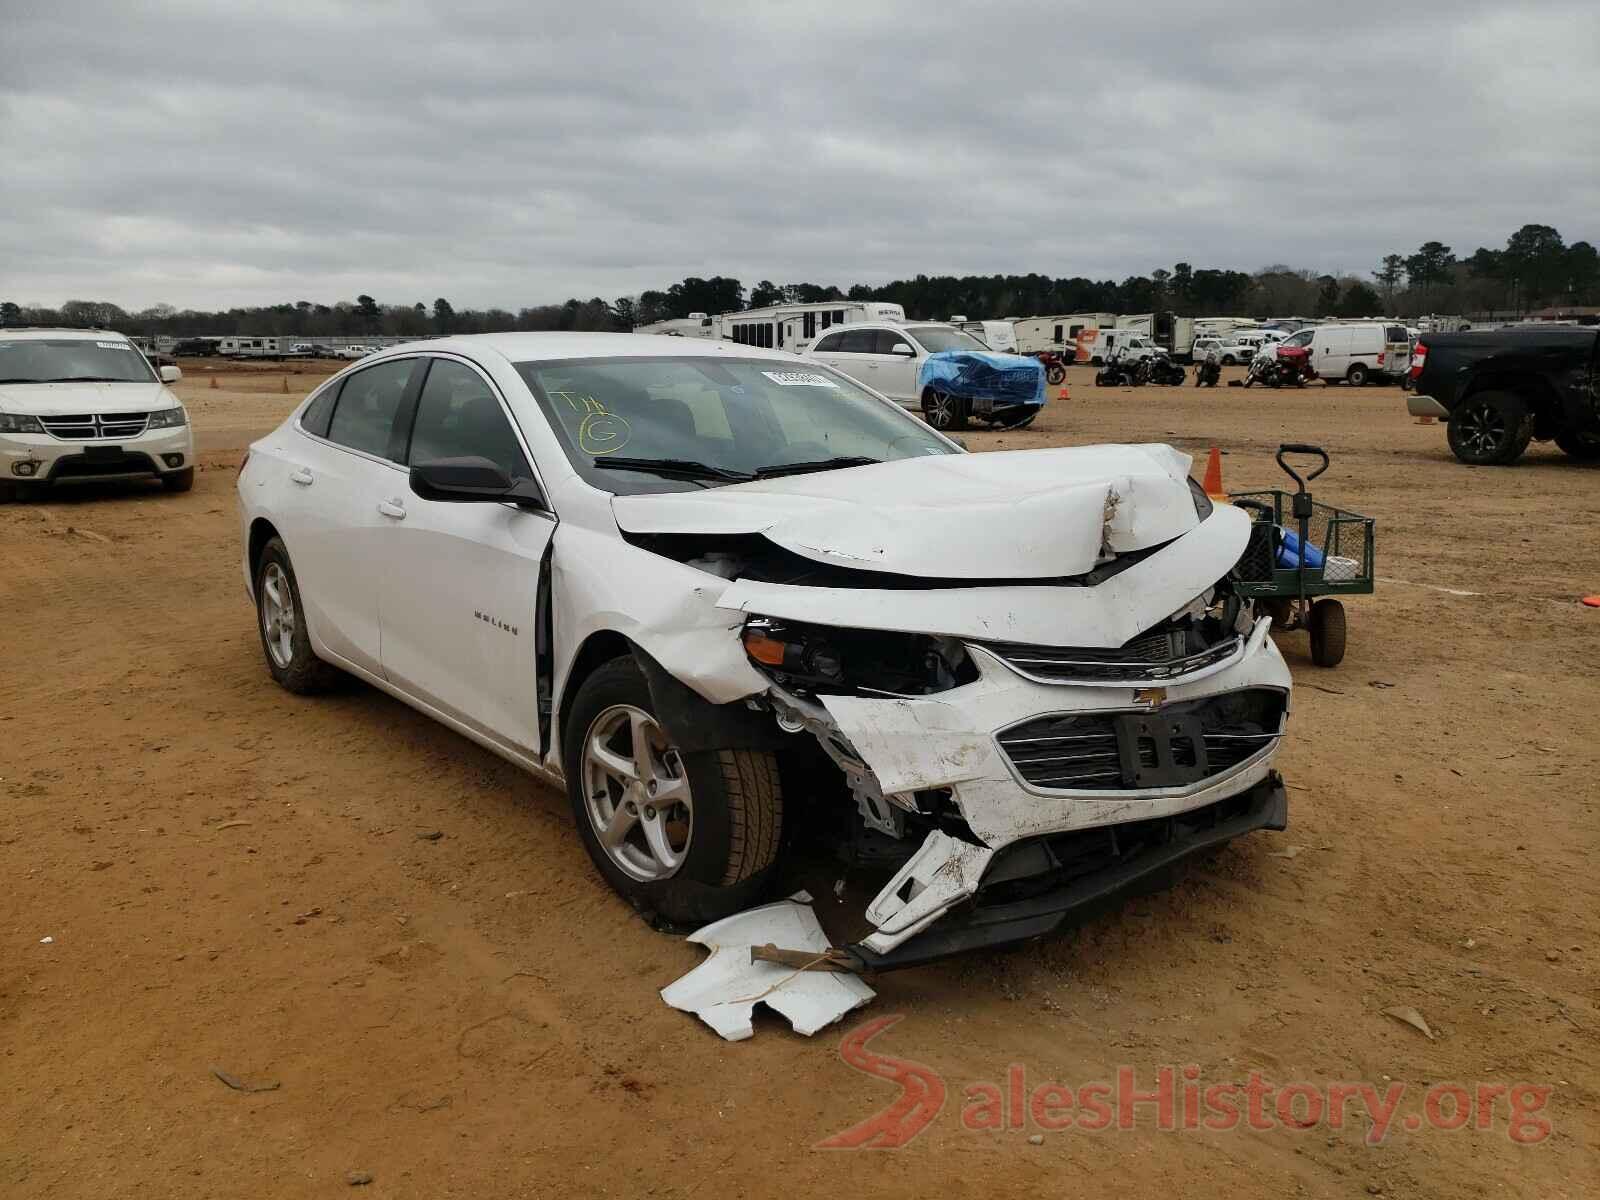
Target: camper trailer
254, 347
1166, 330
1058, 333
795, 326
997, 335
699, 325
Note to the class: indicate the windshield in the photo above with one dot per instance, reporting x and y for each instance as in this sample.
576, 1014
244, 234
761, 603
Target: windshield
68, 360
941, 337
717, 420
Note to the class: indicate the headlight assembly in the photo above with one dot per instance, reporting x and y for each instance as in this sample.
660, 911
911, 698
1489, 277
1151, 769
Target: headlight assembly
812, 658
19, 423
166, 418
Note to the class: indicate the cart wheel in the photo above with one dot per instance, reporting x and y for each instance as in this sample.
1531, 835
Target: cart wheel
1327, 633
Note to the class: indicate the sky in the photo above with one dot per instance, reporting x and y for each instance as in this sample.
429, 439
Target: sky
210, 155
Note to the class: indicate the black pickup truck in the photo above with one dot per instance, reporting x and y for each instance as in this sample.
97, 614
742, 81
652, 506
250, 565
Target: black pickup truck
1498, 389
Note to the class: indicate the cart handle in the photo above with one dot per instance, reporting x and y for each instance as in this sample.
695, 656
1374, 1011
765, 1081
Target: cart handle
1302, 448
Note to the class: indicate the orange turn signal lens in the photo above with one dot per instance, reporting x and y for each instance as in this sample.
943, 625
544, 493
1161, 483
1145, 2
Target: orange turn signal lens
763, 648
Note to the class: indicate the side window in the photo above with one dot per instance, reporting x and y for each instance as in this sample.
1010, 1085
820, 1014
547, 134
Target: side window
363, 418
1058, 334
885, 340
810, 319
830, 343
459, 416
857, 341
315, 418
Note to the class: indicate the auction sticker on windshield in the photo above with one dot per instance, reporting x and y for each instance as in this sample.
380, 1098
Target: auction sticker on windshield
799, 379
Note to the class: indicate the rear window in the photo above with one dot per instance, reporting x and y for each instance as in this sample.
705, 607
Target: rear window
1396, 333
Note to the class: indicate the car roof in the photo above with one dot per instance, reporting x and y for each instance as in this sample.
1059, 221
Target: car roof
85, 335
537, 347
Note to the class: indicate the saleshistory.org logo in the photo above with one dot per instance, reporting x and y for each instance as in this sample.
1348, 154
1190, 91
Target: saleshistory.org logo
1174, 1099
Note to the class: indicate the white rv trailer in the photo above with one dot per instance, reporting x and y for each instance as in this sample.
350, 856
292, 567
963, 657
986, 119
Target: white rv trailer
999, 336
698, 325
1167, 330
1221, 327
794, 326
1059, 333
255, 347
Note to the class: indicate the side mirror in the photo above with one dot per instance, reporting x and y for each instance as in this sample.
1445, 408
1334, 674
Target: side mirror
473, 479
902, 348
170, 374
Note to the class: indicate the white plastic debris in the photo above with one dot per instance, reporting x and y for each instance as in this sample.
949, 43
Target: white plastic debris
724, 989
45, 941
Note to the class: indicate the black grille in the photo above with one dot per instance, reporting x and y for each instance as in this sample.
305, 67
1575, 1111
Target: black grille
1172, 746
1151, 657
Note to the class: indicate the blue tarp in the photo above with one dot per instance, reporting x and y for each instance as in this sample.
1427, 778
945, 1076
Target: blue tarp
997, 380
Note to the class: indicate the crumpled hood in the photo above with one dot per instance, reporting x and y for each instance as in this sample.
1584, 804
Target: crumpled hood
57, 399
1022, 514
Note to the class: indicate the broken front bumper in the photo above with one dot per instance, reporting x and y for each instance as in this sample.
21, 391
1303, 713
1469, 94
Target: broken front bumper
1035, 886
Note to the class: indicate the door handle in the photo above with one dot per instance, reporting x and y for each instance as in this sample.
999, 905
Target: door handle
302, 476
390, 508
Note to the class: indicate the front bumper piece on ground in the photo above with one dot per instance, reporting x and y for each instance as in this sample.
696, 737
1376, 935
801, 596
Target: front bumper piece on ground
1425, 406
1032, 887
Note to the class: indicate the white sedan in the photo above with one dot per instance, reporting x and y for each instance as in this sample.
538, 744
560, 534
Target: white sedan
715, 592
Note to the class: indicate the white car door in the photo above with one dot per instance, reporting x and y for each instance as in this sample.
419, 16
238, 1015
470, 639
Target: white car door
335, 467
897, 370
461, 580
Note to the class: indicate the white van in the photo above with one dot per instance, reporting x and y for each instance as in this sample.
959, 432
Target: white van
1356, 353
1096, 346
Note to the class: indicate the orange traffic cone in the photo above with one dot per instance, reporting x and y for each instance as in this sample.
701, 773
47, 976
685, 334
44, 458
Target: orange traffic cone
1213, 479
1064, 396
1423, 420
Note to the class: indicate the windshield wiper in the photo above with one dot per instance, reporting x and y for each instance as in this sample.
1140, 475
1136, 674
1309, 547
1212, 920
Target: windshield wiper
821, 464
672, 468
90, 379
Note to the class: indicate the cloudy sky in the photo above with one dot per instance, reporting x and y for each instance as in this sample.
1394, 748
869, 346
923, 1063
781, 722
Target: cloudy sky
512, 154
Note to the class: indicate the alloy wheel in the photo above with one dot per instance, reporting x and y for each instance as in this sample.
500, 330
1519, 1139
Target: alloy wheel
277, 615
636, 793
1483, 429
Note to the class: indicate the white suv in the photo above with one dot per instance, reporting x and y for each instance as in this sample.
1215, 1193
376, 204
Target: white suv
679, 576
84, 404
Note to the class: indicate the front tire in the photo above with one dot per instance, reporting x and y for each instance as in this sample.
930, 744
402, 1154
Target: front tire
1056, 375
1490, 429
943, 411
1585, 447
690, 837
280, 620
179, 481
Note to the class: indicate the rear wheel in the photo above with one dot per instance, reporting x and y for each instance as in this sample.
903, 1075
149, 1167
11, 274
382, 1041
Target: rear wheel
1490, 429
1357, 374
944, 411
1057, 375
1585, 447
691, 837
280, 619
1327, 633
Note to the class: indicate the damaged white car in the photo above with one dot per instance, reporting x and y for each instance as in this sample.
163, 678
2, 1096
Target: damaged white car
664, 572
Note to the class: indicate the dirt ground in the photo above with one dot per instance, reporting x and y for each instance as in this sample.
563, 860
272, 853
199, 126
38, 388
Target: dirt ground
203, 871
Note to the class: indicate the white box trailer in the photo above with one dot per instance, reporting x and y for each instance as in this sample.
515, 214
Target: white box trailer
255, 347
1060, 332
1170, 332
794, 326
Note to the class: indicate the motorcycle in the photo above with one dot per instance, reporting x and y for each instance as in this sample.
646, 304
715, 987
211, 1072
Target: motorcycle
1055, 367
1281, 366
1161, 371
1115, 374
1208, 371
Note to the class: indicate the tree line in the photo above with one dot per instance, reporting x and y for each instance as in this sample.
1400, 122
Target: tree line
1536, 268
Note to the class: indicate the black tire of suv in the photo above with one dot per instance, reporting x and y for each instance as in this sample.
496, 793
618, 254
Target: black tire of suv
1585, 447
1504, 418
732, 853
178, 481
1356, 376
1327, 627
944, 416
306, 674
